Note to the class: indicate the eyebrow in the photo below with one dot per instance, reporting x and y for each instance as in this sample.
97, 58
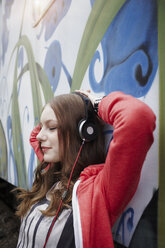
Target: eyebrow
49, 121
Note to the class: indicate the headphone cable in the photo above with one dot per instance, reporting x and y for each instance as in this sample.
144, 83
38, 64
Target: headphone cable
63, 195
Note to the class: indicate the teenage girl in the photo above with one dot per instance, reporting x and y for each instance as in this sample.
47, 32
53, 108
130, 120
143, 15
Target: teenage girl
78, 190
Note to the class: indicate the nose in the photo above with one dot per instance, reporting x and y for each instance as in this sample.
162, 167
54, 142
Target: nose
41, 136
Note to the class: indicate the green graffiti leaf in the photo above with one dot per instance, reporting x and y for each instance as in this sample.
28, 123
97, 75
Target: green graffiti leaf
18, 146
36, 94
43, 79
101, 16
38, 78
24, 69
45, 84
3, 153
17, 134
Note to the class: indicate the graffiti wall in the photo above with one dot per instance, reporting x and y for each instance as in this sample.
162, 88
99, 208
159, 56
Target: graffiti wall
53, 47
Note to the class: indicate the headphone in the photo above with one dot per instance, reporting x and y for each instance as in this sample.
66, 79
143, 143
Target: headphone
87, 127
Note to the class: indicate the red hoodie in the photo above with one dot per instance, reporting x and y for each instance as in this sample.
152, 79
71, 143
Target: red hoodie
105, 190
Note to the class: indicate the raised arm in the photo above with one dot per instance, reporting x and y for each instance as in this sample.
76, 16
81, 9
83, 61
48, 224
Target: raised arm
133, 123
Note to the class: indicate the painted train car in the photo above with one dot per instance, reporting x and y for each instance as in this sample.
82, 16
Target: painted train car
49, 47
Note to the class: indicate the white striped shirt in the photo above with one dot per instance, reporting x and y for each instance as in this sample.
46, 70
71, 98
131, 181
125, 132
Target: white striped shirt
35, 226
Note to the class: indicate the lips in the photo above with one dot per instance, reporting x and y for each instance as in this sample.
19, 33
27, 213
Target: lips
45, 148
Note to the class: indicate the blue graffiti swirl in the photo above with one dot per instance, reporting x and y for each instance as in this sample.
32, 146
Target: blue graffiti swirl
53, 65
31, 168
26, 113
129, 47
129, 224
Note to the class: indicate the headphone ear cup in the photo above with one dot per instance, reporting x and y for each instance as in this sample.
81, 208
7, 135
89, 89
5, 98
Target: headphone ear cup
87, 130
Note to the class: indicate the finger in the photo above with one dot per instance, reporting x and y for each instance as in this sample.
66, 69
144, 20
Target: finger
83, 92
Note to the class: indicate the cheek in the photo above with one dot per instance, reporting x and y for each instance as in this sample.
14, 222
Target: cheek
54, 140
61, 145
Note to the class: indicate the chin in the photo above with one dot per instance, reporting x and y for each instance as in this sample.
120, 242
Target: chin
50, 160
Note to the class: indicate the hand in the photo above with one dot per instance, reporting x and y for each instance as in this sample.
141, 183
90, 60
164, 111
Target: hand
35, 143
88, 94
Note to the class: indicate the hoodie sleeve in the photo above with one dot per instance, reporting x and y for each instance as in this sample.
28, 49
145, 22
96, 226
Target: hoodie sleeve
133, 123
35, 143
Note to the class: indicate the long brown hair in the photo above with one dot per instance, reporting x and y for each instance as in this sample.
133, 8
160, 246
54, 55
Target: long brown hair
69, 110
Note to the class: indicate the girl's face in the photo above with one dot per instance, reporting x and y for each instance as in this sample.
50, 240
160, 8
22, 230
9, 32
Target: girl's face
48, 136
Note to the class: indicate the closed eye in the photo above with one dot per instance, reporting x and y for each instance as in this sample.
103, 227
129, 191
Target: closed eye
52, 128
